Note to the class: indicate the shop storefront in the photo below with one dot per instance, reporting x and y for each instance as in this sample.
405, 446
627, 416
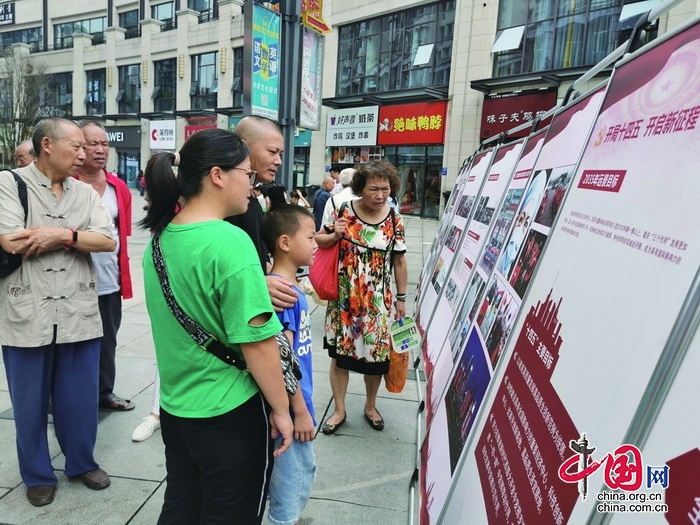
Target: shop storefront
409, 136
412, 137
126, 140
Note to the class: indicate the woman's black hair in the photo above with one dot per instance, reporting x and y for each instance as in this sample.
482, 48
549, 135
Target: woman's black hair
199, 154
376, 169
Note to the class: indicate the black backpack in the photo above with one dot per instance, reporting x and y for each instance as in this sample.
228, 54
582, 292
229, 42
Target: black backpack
9, 262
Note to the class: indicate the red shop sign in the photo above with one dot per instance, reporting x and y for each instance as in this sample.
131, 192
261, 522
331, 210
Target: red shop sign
504, 111
422, 123
191, 130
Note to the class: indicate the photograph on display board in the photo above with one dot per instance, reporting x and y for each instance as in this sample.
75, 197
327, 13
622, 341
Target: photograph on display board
500, 229
530, 205
484, 212
451, 291
497, 298
481, 209
525, 266
438, 275
453, 237
553, 197
465, 205
500, 330
463, 399
458, 333
434, 310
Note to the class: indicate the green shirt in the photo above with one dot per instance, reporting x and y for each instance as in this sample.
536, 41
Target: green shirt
216, 278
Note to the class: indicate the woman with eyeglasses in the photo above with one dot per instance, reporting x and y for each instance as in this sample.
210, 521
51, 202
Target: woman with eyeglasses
218, 422
357, 327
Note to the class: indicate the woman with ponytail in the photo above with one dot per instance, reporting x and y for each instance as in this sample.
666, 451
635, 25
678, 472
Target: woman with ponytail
218, 422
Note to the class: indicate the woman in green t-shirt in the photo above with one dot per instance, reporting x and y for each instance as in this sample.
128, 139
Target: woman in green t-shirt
218, 422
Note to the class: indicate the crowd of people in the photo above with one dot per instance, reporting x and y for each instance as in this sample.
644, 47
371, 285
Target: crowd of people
236, 290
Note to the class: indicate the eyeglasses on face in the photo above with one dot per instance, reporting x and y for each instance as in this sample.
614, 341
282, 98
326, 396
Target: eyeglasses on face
252, 174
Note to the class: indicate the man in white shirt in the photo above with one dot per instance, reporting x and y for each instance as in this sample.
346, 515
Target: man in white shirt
345, 195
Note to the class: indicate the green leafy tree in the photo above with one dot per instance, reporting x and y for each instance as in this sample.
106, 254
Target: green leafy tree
22, 84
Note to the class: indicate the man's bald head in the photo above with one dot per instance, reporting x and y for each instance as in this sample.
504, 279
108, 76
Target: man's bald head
24, 154
265, 143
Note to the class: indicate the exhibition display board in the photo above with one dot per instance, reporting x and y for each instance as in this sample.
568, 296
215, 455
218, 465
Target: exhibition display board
462, 400
464, 210
505, 220
574, 327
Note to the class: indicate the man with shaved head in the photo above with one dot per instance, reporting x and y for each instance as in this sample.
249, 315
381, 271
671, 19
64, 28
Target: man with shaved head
266, 145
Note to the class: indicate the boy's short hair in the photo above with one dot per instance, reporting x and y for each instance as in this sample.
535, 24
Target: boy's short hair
282, 219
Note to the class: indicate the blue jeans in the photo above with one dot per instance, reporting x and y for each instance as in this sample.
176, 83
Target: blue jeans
293, 474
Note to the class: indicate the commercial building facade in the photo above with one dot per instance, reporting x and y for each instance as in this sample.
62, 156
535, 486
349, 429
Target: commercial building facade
435, 77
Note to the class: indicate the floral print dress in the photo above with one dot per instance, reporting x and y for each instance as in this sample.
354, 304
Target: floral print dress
358, 323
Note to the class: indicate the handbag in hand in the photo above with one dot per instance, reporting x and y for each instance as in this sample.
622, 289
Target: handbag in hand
206, 341
324, 273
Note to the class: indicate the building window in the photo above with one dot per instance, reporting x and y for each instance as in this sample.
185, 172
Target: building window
405, 50
129, 20
208, 9
237, 85
95, 95
63, 33
129, 95
204, 85
164, 87
57, 96
165, 13
31, 36
543, 35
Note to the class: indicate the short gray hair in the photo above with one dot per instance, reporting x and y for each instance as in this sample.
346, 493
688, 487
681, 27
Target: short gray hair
345, 177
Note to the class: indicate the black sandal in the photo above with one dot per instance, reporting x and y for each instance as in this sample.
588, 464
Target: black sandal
116, 404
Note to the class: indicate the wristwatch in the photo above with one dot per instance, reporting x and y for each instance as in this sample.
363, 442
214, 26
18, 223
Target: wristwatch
74, 239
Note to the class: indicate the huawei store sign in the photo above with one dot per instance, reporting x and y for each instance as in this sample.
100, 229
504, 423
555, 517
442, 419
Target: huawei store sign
504, 111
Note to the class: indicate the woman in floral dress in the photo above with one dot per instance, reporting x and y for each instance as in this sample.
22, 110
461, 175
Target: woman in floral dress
357, 327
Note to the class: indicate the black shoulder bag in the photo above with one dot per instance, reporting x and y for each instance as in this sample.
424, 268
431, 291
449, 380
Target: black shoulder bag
206, 341
11, 262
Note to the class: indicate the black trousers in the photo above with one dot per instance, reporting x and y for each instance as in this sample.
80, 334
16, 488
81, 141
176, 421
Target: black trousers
111, 314
218, 468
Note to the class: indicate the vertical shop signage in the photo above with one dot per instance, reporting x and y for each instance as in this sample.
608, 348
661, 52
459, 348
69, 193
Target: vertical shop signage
422, 123
261, 61
311, 11
311, 79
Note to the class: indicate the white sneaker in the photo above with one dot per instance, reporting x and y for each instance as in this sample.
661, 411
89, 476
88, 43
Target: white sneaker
145, 430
